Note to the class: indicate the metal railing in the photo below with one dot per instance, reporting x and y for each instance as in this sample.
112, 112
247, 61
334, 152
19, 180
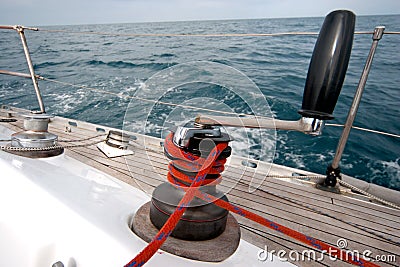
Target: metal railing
32, 75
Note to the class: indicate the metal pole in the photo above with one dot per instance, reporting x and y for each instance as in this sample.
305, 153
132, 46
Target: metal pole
7, 27
18, 74
377, 35
20, 31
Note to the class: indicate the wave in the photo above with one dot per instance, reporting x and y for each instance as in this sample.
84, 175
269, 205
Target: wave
166, 55
126, 64
48, 64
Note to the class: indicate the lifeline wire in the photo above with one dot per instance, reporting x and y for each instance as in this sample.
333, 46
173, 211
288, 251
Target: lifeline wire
364, 129
140, 98
192, 107
196, 34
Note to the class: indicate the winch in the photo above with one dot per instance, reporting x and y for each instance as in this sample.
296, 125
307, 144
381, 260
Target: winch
35, 137
189, 151
116, 144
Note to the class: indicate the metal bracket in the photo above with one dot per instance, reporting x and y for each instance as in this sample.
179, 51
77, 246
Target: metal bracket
183, 135
113, 152
330, 182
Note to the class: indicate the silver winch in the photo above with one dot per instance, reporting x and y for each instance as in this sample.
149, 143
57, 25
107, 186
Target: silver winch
35, 132
34, 137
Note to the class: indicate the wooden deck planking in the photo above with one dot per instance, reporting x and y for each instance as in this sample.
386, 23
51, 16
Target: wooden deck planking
161, 166
292, 210
264, 200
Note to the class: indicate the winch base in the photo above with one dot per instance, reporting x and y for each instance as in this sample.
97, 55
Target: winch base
214, 250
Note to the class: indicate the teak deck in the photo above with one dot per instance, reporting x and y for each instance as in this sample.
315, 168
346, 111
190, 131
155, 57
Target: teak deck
296, 204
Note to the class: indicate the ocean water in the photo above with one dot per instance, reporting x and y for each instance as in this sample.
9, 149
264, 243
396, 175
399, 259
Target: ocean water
276, 65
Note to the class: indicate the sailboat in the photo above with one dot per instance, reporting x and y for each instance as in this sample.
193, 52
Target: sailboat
74, 193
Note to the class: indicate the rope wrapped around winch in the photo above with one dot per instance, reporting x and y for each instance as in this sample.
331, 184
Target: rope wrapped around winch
184, 166
166, 230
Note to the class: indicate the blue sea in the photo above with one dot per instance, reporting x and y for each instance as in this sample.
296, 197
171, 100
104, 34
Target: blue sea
276, 65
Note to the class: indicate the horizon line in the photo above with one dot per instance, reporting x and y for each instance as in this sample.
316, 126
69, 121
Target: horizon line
195, 20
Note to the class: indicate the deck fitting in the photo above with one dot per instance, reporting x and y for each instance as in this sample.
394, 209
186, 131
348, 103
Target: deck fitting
330, 182
116, 144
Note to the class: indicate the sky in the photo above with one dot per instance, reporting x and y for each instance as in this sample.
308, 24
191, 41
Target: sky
69, 12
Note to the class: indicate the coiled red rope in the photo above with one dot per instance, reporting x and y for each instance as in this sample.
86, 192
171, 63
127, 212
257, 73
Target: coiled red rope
184, 160
211, 165
170, 224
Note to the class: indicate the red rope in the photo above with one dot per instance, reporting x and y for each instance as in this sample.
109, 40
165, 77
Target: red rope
170, 224
182, 160
191, 163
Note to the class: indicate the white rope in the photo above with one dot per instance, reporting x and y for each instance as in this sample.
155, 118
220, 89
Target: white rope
368, 194
311, 177
364, 129
343, 183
